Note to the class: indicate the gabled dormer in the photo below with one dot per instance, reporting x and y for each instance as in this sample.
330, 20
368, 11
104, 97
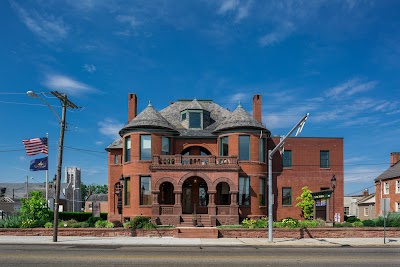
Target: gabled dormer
194, 116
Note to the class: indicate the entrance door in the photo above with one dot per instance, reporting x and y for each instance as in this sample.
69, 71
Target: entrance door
320, 208
187, 200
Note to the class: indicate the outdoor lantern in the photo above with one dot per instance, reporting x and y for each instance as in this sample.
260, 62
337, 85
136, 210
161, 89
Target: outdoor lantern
333, 182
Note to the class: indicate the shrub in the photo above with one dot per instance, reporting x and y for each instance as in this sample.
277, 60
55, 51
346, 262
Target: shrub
80, 216
12, 221
101, 224
309, 223
48, 225
138, 222
338, 225
352, 219
66, 224
117, 224
290, 222
347, 224
368, 223
28, 223
358, 224
92, 221
262, 223
249, 223
34, 210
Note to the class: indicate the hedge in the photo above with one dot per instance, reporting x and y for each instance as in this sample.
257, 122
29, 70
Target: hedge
78, 216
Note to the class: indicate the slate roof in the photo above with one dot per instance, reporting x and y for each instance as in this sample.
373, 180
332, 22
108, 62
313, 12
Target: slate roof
149, 117
239, 119
367, 200
392, 172
116, 144
170, 118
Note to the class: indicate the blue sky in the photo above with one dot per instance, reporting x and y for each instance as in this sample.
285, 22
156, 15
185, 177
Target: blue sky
337, 60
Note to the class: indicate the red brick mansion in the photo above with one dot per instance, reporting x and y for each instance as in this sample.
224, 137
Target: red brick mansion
195, 158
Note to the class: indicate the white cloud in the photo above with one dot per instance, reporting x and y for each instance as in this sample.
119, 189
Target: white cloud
89, 68
277, 36
240, 9
356, 159
110, 128
67, 85
98, 143
130, 20
48, 27
236, 98
362, 174
349, 88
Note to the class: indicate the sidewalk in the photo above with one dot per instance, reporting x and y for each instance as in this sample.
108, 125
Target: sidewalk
171, 241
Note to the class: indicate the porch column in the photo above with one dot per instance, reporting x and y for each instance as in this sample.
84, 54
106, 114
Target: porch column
212, 208
234, 207
178, 207
155, 210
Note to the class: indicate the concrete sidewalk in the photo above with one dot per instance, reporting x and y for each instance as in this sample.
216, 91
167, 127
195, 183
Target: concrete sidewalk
171, 241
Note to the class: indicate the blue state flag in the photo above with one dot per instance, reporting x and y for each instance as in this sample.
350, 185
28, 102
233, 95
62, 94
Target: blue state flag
39, 164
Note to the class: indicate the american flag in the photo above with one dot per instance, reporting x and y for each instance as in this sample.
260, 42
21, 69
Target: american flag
35, 146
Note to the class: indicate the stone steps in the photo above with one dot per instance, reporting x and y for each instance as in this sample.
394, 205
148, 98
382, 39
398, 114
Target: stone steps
202, 220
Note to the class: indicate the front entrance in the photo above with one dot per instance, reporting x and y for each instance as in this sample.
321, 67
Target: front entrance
194, 196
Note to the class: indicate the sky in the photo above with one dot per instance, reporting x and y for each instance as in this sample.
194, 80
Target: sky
337, 60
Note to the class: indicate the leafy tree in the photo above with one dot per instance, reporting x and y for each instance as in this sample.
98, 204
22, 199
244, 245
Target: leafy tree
91, 189
306, 204
34, 210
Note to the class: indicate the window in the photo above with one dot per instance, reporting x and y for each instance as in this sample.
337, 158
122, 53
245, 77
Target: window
127, 191
324, 159
195, 120
244, 147
223, 189
366, 211
398, 186
287, 159
244, 191
262, 150
262, 192
397, 207
286, 196
224, 146
127, 149
145, 193
346, 210
115, 159
145, 147
183, 116
386, 188
166, 147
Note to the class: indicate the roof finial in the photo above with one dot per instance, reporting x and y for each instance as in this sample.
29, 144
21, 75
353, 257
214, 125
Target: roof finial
149, 105
239, 106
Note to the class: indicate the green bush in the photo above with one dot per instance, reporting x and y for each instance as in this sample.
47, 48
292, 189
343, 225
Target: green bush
79, 216
66, 224
358, 224
309, 223
249, 223
104, 224
368, 223
290, 222
28, 223
262, 222
13, 221
138, 222
92, 221
48, 225
352, 219
347, 224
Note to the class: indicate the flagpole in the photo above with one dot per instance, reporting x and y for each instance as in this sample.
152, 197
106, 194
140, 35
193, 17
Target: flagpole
47, 171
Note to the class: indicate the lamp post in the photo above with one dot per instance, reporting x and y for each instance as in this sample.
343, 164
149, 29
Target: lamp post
333, 184
65, 103
118, 191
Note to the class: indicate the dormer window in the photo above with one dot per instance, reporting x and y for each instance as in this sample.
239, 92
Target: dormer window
195, 119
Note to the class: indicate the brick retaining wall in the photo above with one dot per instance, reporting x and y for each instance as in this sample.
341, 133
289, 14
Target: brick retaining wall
223, 232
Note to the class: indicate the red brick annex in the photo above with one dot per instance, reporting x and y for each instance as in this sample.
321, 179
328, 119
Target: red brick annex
196, 159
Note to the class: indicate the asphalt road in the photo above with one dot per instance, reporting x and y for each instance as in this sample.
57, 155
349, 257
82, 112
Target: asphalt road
84, 255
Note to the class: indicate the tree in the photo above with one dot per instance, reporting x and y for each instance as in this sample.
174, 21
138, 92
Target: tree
306, 204
91, 189
34, 210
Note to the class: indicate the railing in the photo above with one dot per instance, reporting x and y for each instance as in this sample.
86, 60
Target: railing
167, 209
193, 160
223, 210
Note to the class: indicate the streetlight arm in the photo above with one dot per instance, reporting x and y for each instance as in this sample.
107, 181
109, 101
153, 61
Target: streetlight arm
300, 123
33, 94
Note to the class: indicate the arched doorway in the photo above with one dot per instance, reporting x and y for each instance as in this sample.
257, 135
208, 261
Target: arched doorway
194, 196
166, 195
195, 151
222, 197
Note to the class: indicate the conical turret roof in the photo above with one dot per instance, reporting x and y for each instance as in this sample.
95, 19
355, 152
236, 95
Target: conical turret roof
148, 118
239, 118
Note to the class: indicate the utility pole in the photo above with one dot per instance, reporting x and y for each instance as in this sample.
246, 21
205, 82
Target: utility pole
299, 127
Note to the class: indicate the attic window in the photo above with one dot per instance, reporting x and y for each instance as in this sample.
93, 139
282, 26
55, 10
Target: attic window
195, 119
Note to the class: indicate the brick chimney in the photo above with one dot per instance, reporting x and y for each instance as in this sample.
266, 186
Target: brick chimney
394, 158
257, 108
366, 192
132, 106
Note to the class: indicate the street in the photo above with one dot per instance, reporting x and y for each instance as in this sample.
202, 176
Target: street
115, 255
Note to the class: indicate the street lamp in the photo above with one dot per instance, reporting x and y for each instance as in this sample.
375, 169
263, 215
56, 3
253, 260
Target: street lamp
118, 191
65, 103
333, 184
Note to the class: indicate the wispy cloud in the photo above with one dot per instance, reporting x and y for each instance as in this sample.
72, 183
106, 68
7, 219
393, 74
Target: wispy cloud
110, 128
240, 9
277, 36
350, 87
128, 19
48, 27
361, 174
67, 85
89, 68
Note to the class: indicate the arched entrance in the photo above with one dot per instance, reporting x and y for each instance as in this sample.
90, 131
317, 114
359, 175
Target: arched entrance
194, 196
166, 195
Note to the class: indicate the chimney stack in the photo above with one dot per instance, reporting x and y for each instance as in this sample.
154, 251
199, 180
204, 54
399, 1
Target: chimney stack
366, 192
132, 107
394, 158
257, 105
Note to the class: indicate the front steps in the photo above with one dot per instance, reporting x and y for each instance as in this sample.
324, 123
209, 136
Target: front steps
202, 220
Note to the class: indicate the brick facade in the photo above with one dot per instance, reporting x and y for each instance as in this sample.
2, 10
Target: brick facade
194, 164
